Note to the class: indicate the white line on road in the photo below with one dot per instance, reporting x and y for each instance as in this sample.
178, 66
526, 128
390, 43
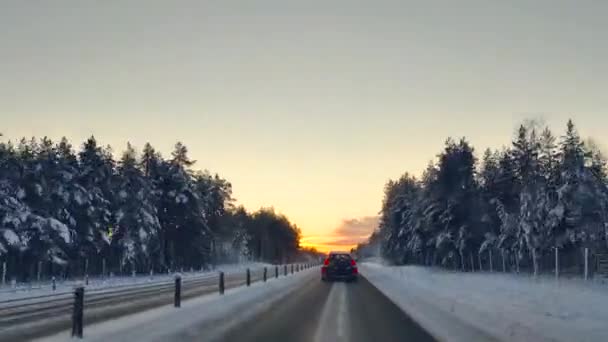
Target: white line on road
333, 325
342, 312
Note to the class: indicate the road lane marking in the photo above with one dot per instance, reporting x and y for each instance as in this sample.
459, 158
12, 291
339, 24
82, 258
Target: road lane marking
333, 324
342, 312
326, 316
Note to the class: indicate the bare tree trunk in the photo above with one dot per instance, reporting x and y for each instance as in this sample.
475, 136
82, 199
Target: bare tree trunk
535, 262
472, 263
462, 261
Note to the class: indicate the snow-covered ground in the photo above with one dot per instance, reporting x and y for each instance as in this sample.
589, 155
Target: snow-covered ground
203, 318
493, 306
22, 290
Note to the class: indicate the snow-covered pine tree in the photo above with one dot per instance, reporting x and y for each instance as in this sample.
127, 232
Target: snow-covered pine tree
135, 241
186, 235
582, 195
93, 197
456, 195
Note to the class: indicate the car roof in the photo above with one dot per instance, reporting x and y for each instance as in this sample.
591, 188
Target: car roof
338, 252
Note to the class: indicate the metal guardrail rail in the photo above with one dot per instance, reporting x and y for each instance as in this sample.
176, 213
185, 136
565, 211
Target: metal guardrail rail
27, 318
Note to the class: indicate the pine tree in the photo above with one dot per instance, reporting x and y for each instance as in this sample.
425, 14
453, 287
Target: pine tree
92, 201
186, 235
137, 226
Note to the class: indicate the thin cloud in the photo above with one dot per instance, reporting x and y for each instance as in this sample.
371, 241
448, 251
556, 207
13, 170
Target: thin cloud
357, 227
349, 233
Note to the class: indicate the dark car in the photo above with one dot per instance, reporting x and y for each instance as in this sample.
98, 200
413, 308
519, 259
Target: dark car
339, 266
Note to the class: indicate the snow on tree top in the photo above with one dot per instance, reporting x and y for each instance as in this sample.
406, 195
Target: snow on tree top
11, 238
61, 229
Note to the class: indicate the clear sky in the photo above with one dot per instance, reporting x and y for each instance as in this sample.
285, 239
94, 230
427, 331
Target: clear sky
308, 106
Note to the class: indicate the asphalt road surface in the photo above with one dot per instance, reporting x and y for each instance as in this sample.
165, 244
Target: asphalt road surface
331, 312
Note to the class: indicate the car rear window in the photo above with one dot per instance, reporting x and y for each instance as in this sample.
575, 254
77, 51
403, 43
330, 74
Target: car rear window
337, 257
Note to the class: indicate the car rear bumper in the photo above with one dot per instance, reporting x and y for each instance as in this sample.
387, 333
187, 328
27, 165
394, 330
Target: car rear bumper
339, 276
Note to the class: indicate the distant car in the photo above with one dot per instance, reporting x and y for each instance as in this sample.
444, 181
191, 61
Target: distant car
339, 266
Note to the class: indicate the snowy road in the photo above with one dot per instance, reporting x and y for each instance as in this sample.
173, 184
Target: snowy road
331, 312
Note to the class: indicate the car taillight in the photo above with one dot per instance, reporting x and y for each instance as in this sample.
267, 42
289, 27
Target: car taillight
355, 270
353, 262
326, 262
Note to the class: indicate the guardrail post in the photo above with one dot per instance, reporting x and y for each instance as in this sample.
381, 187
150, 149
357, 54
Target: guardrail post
248, 277
276, 271
285, 270
54, 283
221, 285
178, 291
291, 268
86, 279
77, 314
265, 274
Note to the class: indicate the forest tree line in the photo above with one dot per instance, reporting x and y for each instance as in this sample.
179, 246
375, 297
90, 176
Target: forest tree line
540, 193
67, 211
